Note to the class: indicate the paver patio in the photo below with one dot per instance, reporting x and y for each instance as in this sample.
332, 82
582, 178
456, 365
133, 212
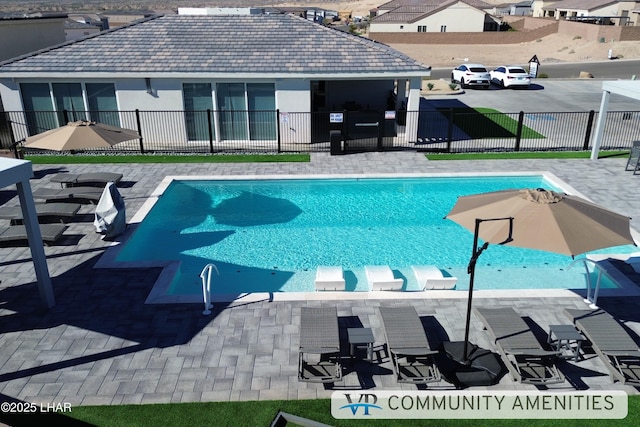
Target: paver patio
102, 345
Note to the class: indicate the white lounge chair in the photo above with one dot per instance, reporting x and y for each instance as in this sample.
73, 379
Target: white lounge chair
329, 278
380, 278
430, 277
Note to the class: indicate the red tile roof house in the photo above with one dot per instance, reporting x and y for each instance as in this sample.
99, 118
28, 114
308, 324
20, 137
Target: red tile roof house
231, 65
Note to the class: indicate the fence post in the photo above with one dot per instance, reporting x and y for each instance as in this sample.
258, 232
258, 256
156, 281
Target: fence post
139, 130
278, 135
380, 131
587, 135
210, 130
450, 130
519, 131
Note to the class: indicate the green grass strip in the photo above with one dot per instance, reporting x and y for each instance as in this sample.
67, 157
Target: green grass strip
261, 413
487, 123
152, 158
526, 155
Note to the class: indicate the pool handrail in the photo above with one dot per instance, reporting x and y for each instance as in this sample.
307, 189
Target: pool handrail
205, 275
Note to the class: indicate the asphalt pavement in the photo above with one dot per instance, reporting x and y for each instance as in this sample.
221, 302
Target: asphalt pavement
544, 95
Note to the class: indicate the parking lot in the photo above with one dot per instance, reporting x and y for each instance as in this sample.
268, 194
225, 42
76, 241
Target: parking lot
546, 95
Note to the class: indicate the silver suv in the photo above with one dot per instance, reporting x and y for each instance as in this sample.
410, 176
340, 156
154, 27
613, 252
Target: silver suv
471, 75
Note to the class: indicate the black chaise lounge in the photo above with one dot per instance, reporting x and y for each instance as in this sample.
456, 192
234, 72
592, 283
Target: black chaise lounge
67, 194
50, 233
60, 211
319, 354
88, 179
525, 358
408, 346
612, 343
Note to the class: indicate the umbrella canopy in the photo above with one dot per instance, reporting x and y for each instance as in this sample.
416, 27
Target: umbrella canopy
80, 135
544, 220
536, 219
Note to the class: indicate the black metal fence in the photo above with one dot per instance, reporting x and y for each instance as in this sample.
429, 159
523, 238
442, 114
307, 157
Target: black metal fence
444, 130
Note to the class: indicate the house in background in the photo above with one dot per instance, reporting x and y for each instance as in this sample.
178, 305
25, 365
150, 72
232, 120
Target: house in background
20, 34
601, 12
75, 30
428, 16
232, 65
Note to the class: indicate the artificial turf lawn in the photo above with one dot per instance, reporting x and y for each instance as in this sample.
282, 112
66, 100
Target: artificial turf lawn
486, 123
262, 413
176, 158
526, 155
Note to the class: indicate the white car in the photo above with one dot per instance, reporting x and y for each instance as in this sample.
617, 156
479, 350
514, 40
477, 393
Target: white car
471, 75
510, 76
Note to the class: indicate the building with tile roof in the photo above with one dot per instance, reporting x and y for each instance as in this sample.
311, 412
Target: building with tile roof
602, 12
228, 64
424, 16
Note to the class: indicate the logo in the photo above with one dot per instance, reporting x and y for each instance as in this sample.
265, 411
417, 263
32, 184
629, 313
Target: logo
365, 401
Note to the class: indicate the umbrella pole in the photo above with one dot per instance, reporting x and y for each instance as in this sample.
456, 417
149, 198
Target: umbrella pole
471, 270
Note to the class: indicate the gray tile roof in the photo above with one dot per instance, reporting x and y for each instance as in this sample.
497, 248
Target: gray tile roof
260, 44
409, 11
584, 4
479, 4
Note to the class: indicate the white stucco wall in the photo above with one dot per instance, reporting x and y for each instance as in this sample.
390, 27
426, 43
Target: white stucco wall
292, 98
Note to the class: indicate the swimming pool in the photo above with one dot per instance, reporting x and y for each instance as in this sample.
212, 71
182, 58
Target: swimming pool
269, 235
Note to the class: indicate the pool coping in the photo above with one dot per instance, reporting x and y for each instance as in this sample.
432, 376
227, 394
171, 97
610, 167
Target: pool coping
159, 292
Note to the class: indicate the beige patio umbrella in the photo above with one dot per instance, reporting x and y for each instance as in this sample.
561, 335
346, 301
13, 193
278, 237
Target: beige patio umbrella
542, 219
80, 135
536, 219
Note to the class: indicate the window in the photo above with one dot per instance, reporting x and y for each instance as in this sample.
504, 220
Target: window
49, 106
69, 102
197, 100
443, 28
246, 112
422, 28
262, 114
232, 111
101, 100
38, 107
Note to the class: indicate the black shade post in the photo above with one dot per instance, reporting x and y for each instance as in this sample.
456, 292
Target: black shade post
471, 269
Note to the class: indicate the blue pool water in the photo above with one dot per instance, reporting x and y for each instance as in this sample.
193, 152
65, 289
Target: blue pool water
270, 235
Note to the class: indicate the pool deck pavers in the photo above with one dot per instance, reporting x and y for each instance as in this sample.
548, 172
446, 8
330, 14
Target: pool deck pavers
101, 345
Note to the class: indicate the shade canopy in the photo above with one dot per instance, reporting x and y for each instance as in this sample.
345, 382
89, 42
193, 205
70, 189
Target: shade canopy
544, 220
80, 135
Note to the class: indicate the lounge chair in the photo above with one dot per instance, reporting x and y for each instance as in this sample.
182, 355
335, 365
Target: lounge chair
61, 211
526, 360
380, 278
72, 193
89, 179
329, 279
408, 346
612, 343
430, 277
50, 233
320, 341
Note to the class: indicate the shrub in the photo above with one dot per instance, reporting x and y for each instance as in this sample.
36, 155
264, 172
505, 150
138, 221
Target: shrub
577, 37
602, 40
430, 86
543, 76
572, 52
453, 86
